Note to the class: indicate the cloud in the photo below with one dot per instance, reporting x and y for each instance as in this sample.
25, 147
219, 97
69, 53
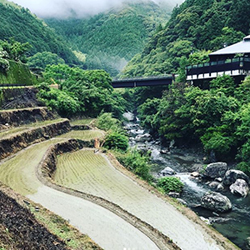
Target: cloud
65, 8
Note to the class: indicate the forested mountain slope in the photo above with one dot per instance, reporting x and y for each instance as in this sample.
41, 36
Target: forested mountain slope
23, 26
112, 38
195, 25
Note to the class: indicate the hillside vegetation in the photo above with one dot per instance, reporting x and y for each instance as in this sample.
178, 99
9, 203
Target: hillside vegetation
23, 26
110, 39
196, 25
217, 118
18, 73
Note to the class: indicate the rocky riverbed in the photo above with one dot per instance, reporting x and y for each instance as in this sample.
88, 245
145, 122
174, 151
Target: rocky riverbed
217, 194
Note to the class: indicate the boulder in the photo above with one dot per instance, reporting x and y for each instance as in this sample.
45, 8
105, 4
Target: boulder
143, 138
174, 194
220, 187
232, 175
214, 184
182, 201
205, 220
219, 179
240, 187
248, 243
195, 174
167, 171
164, 151
216, 202
215, 170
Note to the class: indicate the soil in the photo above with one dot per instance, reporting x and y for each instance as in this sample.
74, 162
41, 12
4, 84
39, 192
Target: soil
18, 117
19, 98
16, 142
20, 230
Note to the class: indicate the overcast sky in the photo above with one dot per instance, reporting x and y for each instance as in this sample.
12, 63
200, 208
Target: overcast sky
62, 8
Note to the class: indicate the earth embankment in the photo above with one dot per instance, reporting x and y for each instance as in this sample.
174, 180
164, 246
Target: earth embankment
20, 230
13, 142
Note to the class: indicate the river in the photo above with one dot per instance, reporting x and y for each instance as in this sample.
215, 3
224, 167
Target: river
235, 225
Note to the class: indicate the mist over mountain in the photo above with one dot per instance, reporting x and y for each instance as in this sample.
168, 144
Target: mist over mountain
23, 26
110, 39
78, 8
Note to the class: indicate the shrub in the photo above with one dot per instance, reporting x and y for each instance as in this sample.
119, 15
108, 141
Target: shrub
107, 122
170, 184
136, 163
114, 140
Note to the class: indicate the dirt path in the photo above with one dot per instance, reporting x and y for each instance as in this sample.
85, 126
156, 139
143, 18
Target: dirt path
92, 173
105, 228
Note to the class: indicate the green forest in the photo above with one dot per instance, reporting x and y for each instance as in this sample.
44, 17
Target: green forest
19, 23
110, 39
215, 118
196, 26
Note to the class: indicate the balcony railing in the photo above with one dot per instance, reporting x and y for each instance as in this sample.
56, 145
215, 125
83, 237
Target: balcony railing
242, 64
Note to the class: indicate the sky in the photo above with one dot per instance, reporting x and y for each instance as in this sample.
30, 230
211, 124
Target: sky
64, 8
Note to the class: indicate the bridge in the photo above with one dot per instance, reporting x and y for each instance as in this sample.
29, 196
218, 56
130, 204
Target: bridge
143, 81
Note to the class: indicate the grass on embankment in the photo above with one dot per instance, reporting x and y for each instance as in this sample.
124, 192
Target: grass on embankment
61, 228
85, 121
26, 127
86, 135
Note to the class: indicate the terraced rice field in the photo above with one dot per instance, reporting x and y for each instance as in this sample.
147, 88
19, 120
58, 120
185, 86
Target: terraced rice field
19, 172
105, 228
6, 133
85, 121
86, 135
92, 173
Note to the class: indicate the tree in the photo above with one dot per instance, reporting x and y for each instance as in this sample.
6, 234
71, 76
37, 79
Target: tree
42, 59
64, 103
15, 50
115, 140
223, 84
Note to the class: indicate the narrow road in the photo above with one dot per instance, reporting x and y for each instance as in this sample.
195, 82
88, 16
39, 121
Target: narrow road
105, 228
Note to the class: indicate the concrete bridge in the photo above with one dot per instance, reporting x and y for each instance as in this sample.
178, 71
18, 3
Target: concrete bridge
143, 81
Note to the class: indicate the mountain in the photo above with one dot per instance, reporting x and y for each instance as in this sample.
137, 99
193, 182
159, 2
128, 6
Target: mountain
194, 26
23, 26
110, 39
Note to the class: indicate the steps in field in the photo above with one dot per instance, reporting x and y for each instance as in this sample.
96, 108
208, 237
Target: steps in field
19, 117
21, 128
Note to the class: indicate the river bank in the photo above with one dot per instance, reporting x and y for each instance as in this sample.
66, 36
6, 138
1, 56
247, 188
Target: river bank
235, 224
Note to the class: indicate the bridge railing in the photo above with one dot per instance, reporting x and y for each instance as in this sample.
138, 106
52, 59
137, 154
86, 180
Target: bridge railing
166, 76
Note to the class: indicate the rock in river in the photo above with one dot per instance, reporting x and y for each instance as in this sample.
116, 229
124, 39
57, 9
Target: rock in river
215, 170
216, 202
240, 187
232, 175
143, 138
167, 171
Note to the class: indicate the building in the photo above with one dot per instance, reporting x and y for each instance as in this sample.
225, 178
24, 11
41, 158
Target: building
233, 60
